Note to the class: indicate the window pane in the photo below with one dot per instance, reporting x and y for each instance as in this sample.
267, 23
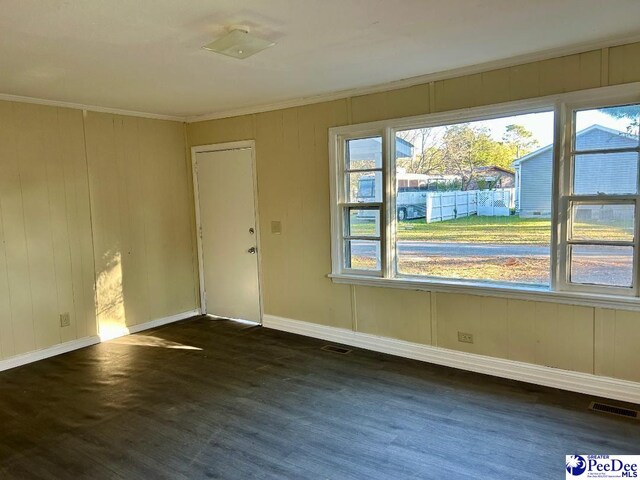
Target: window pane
473, 200
364, 187
603, 222
363, 222
364, 153
602, 265
362, 254
621, 130
606, 173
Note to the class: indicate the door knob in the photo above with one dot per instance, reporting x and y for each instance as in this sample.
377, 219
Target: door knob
252, 250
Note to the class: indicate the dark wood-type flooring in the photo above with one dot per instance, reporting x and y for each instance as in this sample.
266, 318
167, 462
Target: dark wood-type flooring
208, 398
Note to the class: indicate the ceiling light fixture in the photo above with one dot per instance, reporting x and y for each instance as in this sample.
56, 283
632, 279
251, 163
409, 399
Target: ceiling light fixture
238, 43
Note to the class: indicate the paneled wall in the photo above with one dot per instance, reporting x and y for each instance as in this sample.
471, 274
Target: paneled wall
293, 187
46, 255
141, 207
59, 170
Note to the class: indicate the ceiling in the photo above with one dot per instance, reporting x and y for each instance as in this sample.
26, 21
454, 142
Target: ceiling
146, 55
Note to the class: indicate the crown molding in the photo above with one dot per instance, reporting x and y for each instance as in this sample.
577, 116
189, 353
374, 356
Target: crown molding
421, 79
90, 108
342, 94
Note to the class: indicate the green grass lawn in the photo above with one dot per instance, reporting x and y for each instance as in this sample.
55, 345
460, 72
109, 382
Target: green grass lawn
474, 229
511, 230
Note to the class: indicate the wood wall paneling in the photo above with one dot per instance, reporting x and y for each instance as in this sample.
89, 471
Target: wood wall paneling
141, 213
624, 64
108, 197
616, 343
387, 312
292, 157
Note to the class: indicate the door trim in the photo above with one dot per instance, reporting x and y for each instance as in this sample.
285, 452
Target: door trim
220, 147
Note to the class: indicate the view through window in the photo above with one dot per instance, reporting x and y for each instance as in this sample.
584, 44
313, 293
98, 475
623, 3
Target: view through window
473, 200
363, 204
602, 202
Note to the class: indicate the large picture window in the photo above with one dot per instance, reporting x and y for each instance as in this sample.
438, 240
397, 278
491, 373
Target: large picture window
540, 196
461, 211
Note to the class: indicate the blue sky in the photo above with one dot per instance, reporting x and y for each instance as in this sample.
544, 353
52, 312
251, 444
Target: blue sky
541, 125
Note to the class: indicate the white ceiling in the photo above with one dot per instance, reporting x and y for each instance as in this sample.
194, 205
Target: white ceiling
146, 56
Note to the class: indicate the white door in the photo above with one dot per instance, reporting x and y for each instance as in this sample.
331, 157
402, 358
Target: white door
228, 236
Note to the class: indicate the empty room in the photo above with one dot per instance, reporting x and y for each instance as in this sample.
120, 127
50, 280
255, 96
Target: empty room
298, 239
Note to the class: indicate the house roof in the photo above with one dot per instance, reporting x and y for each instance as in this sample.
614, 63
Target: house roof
541, 150
493, 167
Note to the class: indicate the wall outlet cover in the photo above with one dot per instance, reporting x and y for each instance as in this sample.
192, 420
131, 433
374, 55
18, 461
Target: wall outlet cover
465, 337
65, 319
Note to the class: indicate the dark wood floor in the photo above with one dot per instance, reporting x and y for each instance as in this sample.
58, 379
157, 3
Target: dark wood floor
216, 399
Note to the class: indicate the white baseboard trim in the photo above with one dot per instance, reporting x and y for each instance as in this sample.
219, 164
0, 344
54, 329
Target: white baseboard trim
606, 387
66, 347
163, 321
24, 358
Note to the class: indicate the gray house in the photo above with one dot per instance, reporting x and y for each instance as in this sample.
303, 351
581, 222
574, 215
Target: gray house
533, 171
363, 149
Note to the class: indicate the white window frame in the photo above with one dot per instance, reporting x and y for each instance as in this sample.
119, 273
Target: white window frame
559, 290
568, 197
340, 203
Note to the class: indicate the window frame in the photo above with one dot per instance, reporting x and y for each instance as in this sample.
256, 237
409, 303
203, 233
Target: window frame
567, 197
340, 204
559, 289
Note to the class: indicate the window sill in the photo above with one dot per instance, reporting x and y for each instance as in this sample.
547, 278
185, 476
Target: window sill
519, 292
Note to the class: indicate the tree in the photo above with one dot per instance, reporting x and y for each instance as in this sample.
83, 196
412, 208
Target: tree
429, 158
462, 148
519, 140
629, 112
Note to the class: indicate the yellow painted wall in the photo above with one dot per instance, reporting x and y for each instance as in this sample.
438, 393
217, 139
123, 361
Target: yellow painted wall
141, 207
46, 255
59, 169
293, 187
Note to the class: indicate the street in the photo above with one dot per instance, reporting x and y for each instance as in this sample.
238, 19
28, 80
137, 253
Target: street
422, 249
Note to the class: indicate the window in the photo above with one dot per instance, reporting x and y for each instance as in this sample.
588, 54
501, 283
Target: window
600, 201
471, 227
361, 205
538, 196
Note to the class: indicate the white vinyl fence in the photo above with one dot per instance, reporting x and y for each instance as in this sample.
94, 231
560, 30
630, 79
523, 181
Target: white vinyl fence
449, 205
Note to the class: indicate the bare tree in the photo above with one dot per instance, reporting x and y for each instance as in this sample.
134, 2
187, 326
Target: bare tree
428, 158
462, 148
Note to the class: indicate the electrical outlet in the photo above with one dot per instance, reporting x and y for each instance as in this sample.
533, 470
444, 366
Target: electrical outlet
65, 319
465, 337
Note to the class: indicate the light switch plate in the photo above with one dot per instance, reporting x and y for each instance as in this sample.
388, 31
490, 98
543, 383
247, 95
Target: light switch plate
276, 227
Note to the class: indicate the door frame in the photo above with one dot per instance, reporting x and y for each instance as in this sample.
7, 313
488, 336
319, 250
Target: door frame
221, 147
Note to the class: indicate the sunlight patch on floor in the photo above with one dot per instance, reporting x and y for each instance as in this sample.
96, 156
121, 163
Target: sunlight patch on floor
151, 341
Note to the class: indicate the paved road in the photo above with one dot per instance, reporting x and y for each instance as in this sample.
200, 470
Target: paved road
420, 249
471, 249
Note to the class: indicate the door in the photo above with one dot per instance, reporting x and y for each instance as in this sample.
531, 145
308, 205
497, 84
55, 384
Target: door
228, 234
